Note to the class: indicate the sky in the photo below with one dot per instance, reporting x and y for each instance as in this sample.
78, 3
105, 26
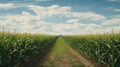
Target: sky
60, 17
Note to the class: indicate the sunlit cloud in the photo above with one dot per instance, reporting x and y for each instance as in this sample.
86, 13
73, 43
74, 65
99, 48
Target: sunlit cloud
6, 6
75, 22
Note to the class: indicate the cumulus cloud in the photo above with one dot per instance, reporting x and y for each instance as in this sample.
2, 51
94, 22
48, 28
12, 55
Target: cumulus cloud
23, 23
111, 29
113, 21
73, 21
26, 22
49, 11
89, 15
64, 11
6, 6
41, 26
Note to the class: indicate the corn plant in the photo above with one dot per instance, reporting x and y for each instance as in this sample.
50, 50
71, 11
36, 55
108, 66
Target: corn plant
103, 49
16, 49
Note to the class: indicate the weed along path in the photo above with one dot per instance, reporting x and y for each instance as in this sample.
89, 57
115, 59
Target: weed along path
61, 55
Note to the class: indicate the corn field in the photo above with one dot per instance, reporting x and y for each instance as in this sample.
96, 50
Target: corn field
104, 49
16, 49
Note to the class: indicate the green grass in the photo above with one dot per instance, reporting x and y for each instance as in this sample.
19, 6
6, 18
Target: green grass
59, 55
59, 47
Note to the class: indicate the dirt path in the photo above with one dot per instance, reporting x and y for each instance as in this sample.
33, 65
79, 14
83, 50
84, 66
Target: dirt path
62, 55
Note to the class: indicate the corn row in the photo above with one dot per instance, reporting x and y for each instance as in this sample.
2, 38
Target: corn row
16, 49
103, 49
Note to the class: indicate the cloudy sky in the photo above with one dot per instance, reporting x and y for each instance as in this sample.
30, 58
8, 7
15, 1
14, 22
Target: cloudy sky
60, 16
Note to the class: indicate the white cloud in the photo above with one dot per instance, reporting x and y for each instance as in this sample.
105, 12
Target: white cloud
73, 21
64, 11
23, 23
40, 26
116, 10
89, 15
6, 6
112, 9
49, 11
113, 0
113, 21
115, 29
27, 22
26, 17
117, 16
78, 28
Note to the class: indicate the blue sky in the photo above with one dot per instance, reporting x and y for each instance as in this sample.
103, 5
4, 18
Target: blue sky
60, 16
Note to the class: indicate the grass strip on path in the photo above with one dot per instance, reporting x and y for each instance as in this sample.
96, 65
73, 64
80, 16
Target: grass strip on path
60, 56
